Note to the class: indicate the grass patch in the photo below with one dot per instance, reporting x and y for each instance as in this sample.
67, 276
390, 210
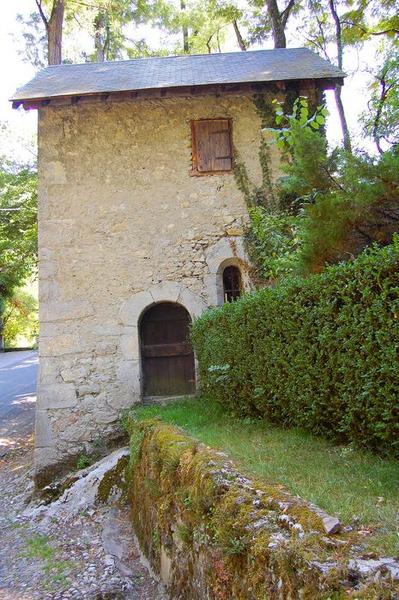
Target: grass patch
360, 488
55, 570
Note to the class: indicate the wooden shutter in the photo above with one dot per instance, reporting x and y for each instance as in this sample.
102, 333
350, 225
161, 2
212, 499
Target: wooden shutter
212, 145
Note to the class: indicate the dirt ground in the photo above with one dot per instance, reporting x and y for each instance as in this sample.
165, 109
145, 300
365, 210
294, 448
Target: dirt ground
93, 556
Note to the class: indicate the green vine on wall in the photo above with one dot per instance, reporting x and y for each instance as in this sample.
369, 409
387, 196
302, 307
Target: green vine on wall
271, 238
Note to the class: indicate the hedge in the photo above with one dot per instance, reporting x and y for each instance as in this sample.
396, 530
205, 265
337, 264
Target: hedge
319, 353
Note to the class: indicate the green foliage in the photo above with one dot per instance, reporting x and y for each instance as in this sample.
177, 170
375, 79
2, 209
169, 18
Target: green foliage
358, 208
274, 241
274, 238
18, 232
381, 120
20, 318
301, 118
18, 228
257, 195
83, 461
327, 206
318, 353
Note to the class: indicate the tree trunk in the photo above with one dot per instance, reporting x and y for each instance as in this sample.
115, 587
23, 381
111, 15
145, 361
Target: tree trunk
239, 37
99, 27
277, 24
185, 29
341, 112
54, 32
337, 91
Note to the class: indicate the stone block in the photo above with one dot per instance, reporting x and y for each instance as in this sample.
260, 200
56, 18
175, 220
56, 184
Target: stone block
107, 329
193, 303
43, 432
73, 374
225, 249
56, 395
331, 524
48, 269
51, 329
128, 370
167, 291
45, 456
133, 307
123, 395
129, 345
48, 370
66, 311
105, 417
59, 345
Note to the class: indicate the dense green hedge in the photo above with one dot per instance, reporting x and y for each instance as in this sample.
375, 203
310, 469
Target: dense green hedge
319, 353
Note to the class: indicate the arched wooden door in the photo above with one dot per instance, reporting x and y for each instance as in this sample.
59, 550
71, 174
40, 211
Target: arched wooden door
166, 354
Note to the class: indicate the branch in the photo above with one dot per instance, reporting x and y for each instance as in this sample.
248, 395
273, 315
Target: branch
383, 96
286, 12
366, 31
239, 37
323, 46
218, 40
41, 12
208, 43
335, 182
317, 45
386, 32
97, 7
337, 32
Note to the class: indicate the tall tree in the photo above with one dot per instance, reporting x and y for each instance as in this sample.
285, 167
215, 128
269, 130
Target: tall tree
331, 26
268, 18
109, 18
323, 29
340, 64
53, 22
279, 21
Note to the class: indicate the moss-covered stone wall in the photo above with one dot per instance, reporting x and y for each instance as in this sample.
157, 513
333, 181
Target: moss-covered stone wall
212, 533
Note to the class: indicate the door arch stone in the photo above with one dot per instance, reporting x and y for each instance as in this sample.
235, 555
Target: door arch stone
129, 369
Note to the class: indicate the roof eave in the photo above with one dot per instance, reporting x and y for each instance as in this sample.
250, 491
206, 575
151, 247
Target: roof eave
324, 83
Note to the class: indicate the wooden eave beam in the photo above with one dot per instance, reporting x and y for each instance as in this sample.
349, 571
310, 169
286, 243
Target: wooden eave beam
184, 91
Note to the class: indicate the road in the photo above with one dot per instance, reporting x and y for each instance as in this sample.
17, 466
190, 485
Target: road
18, 375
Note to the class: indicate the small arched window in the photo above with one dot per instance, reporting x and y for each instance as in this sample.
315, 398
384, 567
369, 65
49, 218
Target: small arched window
232, 286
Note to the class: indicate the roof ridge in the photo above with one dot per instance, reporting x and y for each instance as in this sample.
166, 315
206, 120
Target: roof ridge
207, 55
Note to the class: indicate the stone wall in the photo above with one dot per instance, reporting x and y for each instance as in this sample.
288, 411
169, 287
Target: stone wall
123, 224
211, 533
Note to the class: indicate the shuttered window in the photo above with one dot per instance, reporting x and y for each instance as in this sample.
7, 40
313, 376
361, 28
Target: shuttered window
212, 148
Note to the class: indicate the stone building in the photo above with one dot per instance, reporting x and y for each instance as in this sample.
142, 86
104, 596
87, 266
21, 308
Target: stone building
141, 223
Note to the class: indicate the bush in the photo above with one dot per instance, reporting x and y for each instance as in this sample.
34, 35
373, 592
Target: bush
319, 353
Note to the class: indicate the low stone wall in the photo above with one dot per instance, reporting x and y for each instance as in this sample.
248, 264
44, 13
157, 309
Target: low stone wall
212, 533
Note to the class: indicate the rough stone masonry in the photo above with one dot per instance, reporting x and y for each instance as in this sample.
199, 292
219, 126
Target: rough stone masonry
123, 224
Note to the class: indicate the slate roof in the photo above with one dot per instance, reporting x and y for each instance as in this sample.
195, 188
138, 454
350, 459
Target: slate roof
177, 71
